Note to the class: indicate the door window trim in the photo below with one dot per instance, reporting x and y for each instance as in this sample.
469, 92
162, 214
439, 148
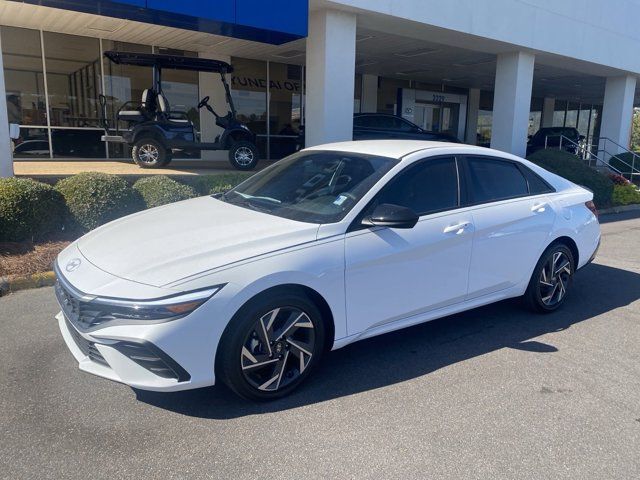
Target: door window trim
519, 166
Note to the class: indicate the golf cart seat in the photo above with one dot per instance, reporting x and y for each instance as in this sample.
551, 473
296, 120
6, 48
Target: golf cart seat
164, 110
145, 110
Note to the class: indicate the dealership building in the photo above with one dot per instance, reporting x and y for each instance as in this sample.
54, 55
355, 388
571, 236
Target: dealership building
489, 72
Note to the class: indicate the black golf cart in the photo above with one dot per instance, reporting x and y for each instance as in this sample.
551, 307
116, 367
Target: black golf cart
155, 132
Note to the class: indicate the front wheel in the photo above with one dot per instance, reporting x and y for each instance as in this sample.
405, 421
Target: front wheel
149, 153
551, 280
271, 346
243, 155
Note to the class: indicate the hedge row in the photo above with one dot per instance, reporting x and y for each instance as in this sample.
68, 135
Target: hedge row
31, 210
572, 168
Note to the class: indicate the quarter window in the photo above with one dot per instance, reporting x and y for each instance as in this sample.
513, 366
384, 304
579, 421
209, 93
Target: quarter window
427, 187
493, 180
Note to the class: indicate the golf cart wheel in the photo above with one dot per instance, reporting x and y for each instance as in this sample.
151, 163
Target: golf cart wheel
243, 155
149, 153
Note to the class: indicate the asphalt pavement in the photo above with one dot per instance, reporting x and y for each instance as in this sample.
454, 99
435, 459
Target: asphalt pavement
494, 393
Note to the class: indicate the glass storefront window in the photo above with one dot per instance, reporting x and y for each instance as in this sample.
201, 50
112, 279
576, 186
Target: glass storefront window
249, 93
33, 143
584, 120
285, 108
77, 143
559, 113
73, 79
572, 115
23, 74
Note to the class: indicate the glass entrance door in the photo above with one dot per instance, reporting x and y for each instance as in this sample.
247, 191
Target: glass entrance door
438, 117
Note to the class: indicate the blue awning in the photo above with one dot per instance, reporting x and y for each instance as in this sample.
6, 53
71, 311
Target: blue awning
273, 21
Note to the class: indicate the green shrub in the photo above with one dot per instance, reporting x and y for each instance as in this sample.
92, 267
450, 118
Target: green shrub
29, 210
210, 184
624, 161
160, 190
572, 168
625, 194
96, 198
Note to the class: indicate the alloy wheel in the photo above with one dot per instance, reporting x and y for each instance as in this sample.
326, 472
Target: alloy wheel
554, 279
243, 156
278, 349
148, 153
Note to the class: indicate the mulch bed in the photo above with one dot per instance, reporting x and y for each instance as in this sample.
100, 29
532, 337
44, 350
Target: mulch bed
26, 258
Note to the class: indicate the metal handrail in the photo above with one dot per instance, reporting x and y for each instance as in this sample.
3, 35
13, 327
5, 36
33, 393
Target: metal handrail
586, 153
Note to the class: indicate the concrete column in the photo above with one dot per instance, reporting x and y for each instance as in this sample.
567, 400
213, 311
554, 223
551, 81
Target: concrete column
210, 84
473, 109
617, 113
331, 56
6, 154
369, 100
512, 102
548, 107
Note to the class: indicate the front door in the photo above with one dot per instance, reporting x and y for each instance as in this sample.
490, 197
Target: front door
392, 274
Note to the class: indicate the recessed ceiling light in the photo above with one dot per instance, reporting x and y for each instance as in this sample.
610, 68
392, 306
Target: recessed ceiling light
416, 52
289, 54
105, 24
471, 63
362, 37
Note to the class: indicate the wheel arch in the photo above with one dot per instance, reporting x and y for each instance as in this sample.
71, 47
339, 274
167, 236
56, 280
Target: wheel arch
149, 132
571, 245
312, 294
229, 137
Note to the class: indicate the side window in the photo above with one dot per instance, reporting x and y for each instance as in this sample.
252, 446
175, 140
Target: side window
536, 184
428, 187
402, 125
362, 122
492, 179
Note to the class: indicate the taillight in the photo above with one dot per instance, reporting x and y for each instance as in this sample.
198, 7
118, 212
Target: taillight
592, 206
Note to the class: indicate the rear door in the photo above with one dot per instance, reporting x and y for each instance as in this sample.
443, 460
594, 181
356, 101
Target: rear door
513, 219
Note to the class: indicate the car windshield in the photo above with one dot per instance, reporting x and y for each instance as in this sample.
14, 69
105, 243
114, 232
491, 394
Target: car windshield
315, 187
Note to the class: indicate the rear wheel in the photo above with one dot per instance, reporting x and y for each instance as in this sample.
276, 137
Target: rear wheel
149, 153
551, 279
243, 155
271, 346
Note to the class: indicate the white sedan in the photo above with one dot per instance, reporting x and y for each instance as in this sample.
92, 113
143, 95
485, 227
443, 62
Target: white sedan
329, 246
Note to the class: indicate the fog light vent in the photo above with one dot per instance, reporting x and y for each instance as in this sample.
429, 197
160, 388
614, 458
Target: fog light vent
153, 359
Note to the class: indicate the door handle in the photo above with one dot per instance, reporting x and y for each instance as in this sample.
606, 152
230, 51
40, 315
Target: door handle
458, 228
539, 207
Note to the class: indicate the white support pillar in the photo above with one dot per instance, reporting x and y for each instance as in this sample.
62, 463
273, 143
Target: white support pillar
617, 113
6, 154
512, 102
210, 84
369, 101
548, 107
331, 56
473, 109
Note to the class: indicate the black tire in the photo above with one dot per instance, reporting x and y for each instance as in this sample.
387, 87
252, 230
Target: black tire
551, 279
150, 153
243, 155
242, 346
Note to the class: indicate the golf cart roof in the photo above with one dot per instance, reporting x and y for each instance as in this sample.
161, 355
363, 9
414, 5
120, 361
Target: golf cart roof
175, 62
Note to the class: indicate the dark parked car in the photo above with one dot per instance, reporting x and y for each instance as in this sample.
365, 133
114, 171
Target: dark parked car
551, 136
377, 126
381, 126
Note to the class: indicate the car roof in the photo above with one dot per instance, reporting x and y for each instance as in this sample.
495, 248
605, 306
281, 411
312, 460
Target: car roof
399, 149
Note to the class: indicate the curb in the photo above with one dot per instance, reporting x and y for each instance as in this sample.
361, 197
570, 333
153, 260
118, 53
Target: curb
45, 279
620, 209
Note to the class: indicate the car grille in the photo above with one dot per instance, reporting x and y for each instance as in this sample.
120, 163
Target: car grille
81, 314
87, 347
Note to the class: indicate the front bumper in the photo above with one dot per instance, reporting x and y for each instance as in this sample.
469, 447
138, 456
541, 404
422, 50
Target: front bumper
132, 361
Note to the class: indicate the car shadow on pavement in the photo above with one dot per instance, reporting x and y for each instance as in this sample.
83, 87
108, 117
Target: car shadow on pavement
420, 350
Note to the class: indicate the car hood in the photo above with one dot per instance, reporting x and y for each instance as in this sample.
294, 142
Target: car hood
166, 244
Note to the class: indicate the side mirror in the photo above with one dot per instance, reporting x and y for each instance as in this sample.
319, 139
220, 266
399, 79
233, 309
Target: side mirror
392, 216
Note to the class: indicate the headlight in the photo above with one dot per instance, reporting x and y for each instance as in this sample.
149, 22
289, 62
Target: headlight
169, 308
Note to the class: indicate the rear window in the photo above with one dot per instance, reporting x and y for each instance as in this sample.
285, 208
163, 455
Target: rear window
492, 180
